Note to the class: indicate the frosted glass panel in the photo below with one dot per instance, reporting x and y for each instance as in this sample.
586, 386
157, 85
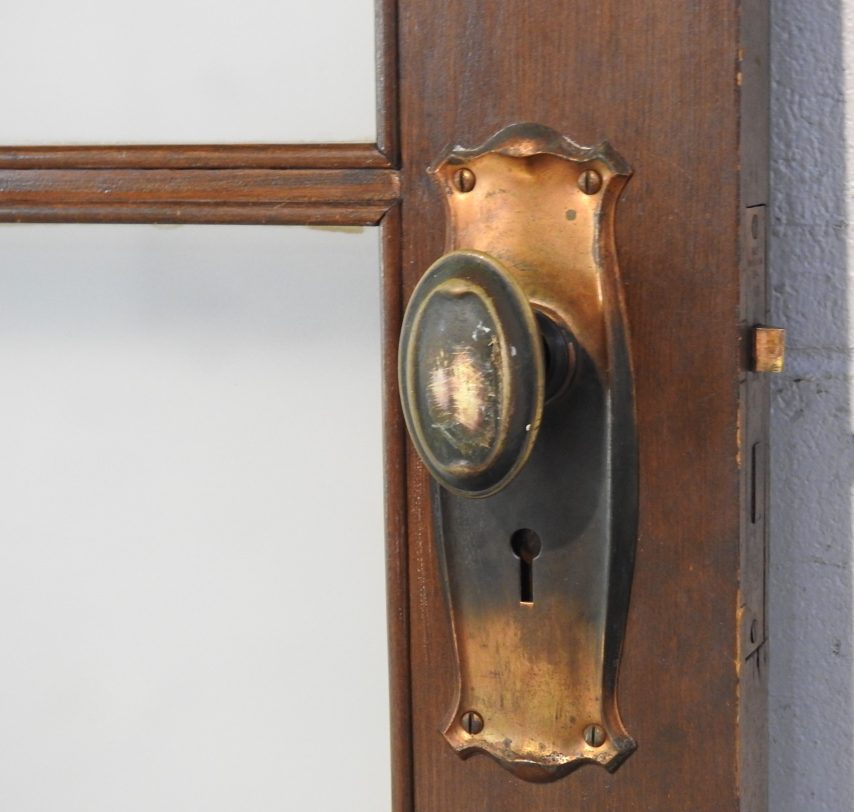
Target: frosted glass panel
186, 71
192, 608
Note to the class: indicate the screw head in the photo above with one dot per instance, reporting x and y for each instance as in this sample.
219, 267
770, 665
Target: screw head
472, 722
594, 735
464, 180
590, 181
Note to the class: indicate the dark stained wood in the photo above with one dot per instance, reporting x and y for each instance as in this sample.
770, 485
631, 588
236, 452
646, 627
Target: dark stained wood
228, 156
397, 547
244, 186
262, 214
662, 81
351, 196
388, 121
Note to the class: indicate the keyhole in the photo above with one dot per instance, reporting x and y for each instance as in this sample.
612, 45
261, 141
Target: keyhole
526, 547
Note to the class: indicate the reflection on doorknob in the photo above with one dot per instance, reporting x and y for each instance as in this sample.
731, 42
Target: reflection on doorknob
517, 389
477, 363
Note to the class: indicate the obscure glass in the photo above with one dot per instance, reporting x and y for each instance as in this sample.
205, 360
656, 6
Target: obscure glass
192, 602
185, 71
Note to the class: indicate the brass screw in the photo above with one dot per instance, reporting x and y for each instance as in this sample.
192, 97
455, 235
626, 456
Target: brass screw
594, 735
590, 181
464, 180
472, 722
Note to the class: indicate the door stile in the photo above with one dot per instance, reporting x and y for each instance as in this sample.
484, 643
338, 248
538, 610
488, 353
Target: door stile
396, 520
664, 83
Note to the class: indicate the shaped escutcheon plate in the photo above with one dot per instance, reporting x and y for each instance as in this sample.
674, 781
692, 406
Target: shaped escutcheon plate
538, 573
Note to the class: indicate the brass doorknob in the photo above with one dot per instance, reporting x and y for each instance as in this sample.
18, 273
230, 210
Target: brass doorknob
477, 363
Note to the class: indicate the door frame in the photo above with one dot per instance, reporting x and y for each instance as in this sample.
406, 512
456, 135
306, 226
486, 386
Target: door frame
458, 77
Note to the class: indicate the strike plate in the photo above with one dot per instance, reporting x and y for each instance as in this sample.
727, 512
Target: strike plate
538, 574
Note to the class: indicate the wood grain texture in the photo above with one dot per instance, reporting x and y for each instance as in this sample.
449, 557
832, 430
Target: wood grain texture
228, 156
397, 546
199, 213
661, 80
388, 120
346, 196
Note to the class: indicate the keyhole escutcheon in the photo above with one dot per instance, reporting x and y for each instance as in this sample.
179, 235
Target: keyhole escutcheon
526, 547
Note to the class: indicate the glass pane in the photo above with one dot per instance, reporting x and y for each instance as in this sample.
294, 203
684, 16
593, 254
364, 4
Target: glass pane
192, 607
184, 71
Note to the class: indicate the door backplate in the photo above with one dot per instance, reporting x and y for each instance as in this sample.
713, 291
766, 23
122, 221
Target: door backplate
537, 557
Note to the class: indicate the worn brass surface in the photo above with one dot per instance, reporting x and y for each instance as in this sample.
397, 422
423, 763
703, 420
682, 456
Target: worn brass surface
472, 373
769, 349
540, 669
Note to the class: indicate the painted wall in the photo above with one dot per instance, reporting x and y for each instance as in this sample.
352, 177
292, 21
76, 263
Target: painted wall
812, 713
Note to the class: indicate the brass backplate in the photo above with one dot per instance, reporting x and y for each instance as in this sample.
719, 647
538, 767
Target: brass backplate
538, 677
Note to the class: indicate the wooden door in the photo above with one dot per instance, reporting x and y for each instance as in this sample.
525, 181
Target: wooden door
681, 90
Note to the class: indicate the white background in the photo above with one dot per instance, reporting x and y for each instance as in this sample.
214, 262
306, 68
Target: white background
192, 602
186, 71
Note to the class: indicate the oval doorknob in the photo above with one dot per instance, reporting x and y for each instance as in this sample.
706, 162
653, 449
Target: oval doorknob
477, 363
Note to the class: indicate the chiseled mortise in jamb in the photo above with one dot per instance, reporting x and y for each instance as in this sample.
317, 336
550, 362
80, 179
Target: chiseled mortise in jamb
753, 446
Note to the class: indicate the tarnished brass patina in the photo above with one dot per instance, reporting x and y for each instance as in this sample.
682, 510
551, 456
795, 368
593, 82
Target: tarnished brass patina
477, 364
472, 373
517, 388
769, 349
